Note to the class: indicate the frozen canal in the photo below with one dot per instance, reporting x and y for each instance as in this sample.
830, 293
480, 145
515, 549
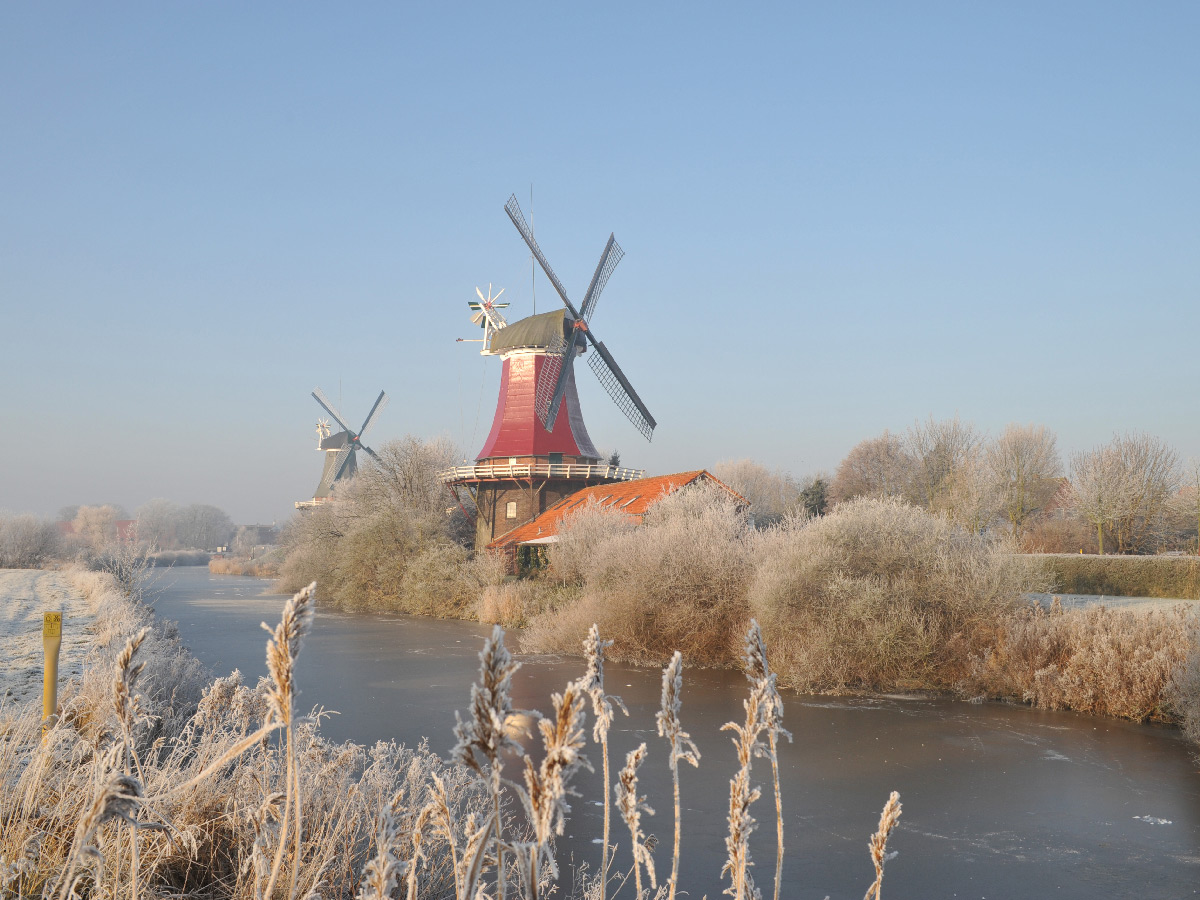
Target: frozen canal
999, 801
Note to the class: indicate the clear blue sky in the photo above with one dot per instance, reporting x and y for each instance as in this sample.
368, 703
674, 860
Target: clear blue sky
838, 218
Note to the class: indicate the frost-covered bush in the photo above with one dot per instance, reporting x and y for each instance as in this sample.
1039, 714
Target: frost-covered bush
1114, 662
393, 539
27, 542
879, 594
676, 582
582, 532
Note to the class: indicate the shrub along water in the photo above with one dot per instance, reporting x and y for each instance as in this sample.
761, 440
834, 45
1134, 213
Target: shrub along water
678, 582
881, 595
388, 542
877, 595
1125, 576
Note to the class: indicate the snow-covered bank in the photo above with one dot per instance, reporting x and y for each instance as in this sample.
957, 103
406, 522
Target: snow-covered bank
25, 594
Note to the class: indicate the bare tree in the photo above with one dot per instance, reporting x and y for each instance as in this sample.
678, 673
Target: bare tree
773, 494
968, 496
204, 527
406, 473
26, 542
157, 522
1097, 486
96, 526
876, 467
938, 450
1025, 470
1190, 495
1124, 487
1150, 468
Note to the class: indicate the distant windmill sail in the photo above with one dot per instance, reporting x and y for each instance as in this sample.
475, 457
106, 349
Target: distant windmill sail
555, 376
340, 449
486, 314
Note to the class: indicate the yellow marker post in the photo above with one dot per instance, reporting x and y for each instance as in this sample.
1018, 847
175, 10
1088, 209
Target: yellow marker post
51, 643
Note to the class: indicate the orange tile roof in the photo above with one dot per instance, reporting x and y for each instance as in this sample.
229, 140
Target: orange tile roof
630, 497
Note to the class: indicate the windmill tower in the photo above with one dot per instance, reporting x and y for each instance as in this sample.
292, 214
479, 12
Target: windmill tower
539, 450
340, 449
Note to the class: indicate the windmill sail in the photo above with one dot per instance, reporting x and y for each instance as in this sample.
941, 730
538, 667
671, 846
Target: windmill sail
608, 261
622, 392
552, 380
555, 374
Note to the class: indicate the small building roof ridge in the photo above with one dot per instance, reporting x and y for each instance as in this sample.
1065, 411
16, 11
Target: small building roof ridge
640, 491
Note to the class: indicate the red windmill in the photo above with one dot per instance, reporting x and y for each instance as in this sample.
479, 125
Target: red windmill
538, 450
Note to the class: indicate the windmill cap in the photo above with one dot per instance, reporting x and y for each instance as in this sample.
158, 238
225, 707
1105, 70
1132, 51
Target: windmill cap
335, 441
538, 331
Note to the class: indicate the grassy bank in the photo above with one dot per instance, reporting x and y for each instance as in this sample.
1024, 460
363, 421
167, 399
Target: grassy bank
153, 781
180, 558
232, 565
1124, 576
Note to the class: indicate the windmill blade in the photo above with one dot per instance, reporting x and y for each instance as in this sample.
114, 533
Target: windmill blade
339, 463
556, 368
380, 402
608, 261
560, 386
518, 218
328, 407
371, 453
620, 389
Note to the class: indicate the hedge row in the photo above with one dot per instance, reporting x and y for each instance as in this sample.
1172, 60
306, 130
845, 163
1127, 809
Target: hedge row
1125, 576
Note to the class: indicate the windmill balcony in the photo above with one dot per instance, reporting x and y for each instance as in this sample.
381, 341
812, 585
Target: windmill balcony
494, 471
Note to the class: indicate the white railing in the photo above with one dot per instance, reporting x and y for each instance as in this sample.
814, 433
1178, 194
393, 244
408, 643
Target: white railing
540, 470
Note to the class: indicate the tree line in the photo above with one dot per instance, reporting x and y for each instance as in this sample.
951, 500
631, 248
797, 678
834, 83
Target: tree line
1132, 494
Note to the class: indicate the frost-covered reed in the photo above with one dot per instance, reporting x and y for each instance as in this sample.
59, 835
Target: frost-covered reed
878, 843
682, 747
604, 708
762, 681
632, 805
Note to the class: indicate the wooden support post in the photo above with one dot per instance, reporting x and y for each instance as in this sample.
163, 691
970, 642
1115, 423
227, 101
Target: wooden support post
51, 643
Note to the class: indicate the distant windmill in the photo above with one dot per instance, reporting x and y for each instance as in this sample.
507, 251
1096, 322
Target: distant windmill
340, 448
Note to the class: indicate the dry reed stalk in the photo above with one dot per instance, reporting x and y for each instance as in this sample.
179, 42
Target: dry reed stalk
420, 824
742, 795
878, 843
603, 710
547, 787
282, 650
468, 864
439, 816
682, 748
383, 870
127, 706
483, 738
631, 807
116, 796
125, 703
759, 674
